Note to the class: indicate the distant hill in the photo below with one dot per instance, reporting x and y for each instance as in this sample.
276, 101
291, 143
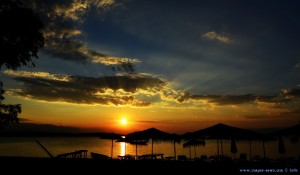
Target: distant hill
32, 127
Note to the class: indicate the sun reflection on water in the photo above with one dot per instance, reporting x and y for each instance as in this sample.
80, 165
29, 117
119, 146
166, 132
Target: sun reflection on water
123, 147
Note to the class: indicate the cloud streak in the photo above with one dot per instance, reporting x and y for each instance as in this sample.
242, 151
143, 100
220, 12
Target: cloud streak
220, 99
218, 37
44, 75
105, 3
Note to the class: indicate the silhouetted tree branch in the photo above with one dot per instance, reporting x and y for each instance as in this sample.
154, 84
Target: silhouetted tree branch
8, 113
20, 34
20, 40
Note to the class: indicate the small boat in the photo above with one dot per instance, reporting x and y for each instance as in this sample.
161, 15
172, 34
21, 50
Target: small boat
155, 156
133, 142
126, 157
138, 142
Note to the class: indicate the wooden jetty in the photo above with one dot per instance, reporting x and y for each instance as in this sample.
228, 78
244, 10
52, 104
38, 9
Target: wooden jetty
75, 154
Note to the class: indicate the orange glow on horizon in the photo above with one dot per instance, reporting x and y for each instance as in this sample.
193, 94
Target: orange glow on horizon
125, 120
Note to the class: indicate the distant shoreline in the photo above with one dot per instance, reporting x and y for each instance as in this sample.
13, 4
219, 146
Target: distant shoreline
31, 129
82, 134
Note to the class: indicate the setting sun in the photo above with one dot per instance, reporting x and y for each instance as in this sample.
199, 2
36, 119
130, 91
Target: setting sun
123, 121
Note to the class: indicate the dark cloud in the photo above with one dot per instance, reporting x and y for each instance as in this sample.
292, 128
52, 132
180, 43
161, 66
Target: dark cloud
221, 99
286, 96
67, 50
89, 90
226, 99
254, 117
291, 93
62, 20
267, 98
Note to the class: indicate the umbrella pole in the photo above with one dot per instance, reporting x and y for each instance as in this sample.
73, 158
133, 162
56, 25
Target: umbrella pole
264, 149
195, 151
250, 151
190, 153
221, 147
136, 151
218, 146
112, 147
175, 149
281, 147
136, 155
152, 148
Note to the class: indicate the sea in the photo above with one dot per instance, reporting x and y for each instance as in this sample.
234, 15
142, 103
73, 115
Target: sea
29, 147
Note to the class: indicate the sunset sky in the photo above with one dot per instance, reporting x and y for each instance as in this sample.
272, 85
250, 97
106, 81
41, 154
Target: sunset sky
197, 63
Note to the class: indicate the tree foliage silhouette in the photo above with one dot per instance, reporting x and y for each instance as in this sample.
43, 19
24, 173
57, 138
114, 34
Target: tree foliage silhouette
8, 113
20, 34
20, 40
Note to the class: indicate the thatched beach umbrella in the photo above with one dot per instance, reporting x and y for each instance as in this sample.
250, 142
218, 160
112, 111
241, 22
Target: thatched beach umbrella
221, 131
153, 134
193, 143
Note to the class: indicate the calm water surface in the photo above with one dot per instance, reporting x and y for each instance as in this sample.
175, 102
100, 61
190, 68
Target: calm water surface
27, 146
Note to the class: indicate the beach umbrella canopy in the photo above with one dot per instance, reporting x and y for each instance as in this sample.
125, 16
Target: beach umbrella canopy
151, 133
194, 142
191, 136
222, 131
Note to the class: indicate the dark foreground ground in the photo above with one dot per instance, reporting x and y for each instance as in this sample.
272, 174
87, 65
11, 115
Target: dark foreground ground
27, 165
